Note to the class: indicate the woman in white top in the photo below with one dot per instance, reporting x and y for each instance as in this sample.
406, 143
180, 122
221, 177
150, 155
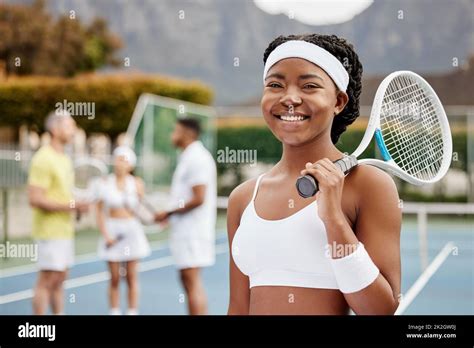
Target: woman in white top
123, 239
336, 251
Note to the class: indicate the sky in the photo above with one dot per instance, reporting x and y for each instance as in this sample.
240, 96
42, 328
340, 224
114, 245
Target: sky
316, 12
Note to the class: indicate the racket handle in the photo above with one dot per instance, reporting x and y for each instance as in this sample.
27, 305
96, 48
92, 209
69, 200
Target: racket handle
117, 239
307, 185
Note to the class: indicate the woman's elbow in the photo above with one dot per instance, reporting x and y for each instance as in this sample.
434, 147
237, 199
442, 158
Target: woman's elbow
392, 308
381, 308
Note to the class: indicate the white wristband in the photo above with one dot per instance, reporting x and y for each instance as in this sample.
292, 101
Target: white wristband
355, 271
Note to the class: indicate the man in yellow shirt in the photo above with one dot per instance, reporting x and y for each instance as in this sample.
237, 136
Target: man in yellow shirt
50, 183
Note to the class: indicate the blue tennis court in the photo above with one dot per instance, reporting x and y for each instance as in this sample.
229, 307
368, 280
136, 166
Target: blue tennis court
450, 290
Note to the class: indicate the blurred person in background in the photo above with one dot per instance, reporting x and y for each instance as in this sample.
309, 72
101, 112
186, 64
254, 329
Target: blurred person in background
193, 215
124, 239
50, 184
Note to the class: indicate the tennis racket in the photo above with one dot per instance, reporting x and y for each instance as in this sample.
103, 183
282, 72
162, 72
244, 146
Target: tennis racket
87, 172
117, 239
144, 211
411, 131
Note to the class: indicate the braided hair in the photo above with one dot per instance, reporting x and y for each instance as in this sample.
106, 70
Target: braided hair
344, 52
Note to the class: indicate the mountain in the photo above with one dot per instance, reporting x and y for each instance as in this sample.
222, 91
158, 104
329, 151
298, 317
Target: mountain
214, 33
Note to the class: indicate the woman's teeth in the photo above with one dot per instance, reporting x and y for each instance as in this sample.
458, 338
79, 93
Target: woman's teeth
292, 118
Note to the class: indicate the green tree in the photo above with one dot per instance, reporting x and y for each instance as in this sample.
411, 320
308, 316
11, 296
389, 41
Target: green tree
32, 42
23, 36
99, 46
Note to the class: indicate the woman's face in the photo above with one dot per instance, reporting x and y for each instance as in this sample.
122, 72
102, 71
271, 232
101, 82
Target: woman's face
299, 101
122, 165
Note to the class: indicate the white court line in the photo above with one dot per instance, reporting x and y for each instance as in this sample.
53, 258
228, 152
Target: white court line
80, 260
101, 276
424, 277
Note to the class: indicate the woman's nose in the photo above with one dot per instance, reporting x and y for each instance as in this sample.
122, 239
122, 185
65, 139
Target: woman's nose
291, 97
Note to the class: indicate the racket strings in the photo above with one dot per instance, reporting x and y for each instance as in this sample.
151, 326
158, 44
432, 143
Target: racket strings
85, 180
414, 161
419, 141
82, 176
411, 128
406, 159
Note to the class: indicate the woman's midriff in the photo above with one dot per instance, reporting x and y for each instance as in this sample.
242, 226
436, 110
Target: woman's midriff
282, 300
120, 213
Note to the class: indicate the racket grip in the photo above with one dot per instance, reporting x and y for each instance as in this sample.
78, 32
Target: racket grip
307, 185
117, 239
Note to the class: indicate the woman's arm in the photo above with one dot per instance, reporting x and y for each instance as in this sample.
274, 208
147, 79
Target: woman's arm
377, 227
239, 299
140, 187
100, 218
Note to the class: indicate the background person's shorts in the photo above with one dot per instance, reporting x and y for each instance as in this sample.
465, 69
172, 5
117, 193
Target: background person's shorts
55, 254
193, 253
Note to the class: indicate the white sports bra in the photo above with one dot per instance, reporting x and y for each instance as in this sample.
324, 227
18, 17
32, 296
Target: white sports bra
113, 198
285, 252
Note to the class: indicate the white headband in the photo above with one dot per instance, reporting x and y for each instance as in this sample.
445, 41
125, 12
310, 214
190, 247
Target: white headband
127, 153
313, 53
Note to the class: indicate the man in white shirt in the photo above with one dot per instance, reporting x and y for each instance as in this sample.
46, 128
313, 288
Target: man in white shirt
193, 215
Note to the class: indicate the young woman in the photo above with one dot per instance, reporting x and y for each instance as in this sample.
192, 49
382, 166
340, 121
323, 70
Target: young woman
333, 252
124, 240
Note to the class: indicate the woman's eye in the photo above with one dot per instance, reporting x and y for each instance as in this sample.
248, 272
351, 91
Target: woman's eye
273, 85
310, 86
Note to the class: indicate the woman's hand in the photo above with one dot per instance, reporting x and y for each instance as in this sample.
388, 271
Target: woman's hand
331, 182
109, 241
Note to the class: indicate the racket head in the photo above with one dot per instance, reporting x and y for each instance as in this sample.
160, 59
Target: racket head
411, 128
87, 173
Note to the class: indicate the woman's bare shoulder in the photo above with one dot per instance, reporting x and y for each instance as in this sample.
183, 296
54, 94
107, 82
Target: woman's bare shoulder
370, 181
240, 197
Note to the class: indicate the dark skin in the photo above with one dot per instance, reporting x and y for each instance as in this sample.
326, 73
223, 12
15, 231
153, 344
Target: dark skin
297, 87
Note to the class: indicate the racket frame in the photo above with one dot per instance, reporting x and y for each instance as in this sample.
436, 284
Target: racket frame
374, 131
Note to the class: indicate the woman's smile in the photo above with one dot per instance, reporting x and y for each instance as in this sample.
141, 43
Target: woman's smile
294, 118
287, 122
